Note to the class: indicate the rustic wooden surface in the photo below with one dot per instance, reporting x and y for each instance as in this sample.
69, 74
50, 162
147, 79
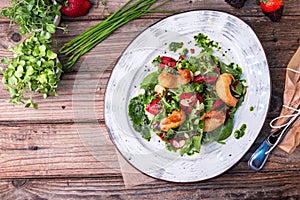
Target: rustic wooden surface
42, 156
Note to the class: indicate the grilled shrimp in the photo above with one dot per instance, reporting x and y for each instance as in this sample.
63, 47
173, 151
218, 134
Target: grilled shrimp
213, 120
223, 89
173, 121
168, 80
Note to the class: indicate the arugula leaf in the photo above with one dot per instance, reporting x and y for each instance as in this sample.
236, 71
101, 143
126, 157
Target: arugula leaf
184, 64
232, 68
170, 102
170, 147
204, 42
192, 145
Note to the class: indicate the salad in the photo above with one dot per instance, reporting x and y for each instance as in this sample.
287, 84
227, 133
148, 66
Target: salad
189, 101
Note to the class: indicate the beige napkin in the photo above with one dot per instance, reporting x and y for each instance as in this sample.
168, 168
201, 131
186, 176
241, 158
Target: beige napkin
291, 99
131, 176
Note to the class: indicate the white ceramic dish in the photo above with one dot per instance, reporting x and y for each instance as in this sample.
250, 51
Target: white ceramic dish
242, 47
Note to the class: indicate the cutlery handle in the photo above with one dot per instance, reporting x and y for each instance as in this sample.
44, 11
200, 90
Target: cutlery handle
259, 157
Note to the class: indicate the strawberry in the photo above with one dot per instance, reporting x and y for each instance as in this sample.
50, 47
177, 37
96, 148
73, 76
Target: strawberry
236, 3
272, 8
154, 108
76, 8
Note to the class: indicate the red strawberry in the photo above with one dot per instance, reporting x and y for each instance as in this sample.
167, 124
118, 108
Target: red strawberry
76, 8
272, 8
167, 61
154, 108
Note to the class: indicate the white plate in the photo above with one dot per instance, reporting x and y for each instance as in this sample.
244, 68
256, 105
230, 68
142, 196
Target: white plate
242, 47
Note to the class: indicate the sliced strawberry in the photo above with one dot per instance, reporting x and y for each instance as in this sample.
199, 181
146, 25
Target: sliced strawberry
218, 104
182, 57
206, 79
188, 101
200, 98
167, 61
154, 108
272, 8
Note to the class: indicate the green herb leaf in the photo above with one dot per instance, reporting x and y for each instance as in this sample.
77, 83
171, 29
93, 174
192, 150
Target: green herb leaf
51, 28
150, 79
32, 15
141, 123
34, 68
240, 132
174, 46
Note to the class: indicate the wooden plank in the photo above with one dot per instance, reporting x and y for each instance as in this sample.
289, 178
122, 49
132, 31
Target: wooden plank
250, 8
85, 149
251, 185
77, 149
279, 42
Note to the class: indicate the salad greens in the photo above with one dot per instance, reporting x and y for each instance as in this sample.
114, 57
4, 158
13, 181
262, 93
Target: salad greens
182, 102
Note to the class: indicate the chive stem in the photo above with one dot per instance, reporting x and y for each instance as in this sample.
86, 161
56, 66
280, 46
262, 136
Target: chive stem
90, 38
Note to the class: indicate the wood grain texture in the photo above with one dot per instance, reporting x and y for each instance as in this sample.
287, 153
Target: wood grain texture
46, 150
229, 186
55, 153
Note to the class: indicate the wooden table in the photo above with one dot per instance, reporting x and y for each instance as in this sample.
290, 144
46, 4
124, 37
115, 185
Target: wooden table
42, 156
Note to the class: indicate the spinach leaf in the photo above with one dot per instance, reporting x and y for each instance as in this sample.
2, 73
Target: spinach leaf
141, 122
226, 130
150, 79
219, 134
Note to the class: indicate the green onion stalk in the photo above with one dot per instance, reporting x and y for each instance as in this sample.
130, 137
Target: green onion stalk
83, 43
